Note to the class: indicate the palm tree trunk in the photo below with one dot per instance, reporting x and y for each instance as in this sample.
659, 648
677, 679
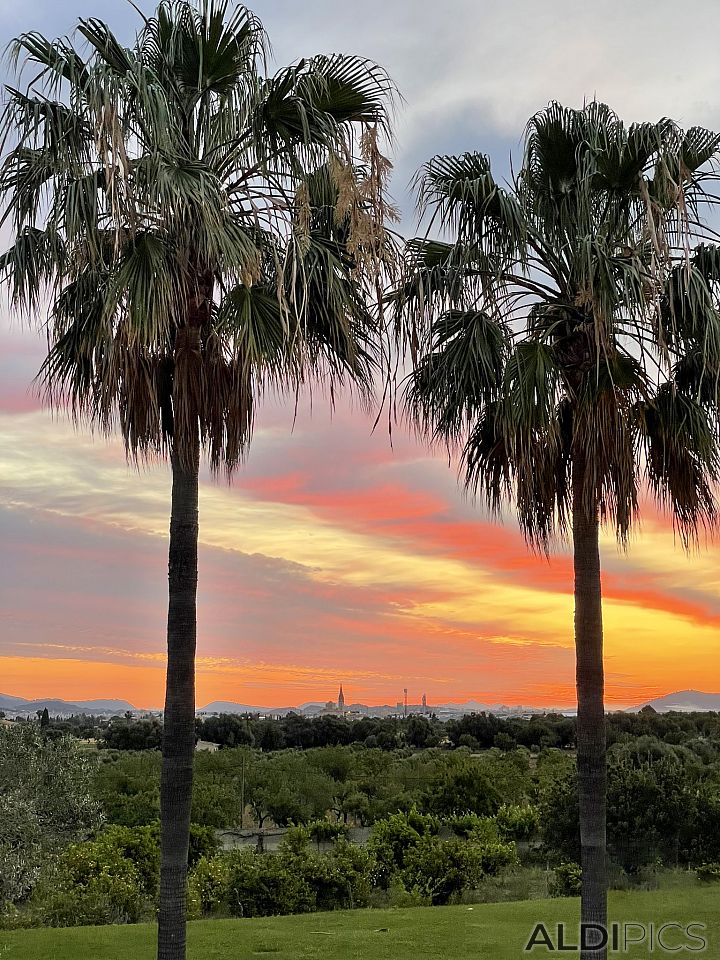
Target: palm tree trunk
591, 745
178, 747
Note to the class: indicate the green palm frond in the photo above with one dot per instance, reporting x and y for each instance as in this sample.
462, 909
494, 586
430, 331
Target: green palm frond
465, 197
459, 375
594, 261
683, 465
199, 229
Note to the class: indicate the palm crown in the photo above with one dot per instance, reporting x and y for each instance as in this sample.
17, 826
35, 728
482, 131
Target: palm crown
570, 319
201, 229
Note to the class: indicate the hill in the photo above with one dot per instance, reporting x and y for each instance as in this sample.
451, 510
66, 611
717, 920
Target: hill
684, 701
229, 706
57, 707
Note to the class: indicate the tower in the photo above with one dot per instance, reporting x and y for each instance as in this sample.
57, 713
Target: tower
341, 700
424, 703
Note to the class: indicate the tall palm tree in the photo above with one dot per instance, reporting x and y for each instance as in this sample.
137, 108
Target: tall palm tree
555, 318
202, 231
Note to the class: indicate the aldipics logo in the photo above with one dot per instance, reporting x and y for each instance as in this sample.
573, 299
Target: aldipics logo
618, 938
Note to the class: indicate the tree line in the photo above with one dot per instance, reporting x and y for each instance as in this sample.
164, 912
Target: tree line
477, 731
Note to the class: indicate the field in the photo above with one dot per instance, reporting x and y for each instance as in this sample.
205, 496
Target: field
482, 932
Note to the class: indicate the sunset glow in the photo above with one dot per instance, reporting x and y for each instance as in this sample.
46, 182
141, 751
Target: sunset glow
333, 556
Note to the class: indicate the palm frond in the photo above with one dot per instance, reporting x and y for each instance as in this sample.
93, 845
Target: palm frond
199, 229
590, 261
683, 459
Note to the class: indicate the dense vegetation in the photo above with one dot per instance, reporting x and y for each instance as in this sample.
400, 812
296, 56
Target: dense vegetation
474, 816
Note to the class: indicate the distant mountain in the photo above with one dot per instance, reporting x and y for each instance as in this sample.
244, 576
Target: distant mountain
8, 702
109, 706
229, 706
56, 707
472, 706
53, 707
685, 701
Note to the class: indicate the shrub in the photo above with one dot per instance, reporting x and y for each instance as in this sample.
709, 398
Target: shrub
438, 869
709, 872
261, 885
203, 843
492, 854
208, 885
338, 880
397, 895
463, 824
46, 802
92, 883
139, 845
466, 789
393, 837
566, 880
517, 822
323, 831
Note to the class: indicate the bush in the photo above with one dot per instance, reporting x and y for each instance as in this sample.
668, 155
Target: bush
492, 854
464, 824
466, 789
46, 802
517, 822
709, 872
397, 895
139, 845
92, 883
261, 885
438, 869
295, 880
203, 843
566, 880
324, 831
338, 880
208, 885
393, 837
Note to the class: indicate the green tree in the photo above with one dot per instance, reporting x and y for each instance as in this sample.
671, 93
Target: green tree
46, 802
201, 231
466, 789
555, 324
288, 789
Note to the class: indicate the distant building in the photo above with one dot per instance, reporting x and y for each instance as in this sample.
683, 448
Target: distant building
335, 708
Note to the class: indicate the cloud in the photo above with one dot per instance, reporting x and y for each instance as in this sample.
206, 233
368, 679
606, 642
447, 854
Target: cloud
375, 563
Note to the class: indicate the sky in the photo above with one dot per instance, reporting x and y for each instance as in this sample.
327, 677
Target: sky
336, 556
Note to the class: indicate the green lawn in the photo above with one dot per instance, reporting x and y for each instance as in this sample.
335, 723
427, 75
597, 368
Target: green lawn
483, 932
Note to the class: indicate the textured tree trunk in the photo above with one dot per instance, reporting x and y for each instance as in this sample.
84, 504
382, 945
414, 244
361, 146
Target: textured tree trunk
178, 747
591, 745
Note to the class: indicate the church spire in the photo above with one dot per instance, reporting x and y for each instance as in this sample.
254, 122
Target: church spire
341, 699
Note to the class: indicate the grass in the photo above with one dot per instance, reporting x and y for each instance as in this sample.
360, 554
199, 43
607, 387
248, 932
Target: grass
497, 931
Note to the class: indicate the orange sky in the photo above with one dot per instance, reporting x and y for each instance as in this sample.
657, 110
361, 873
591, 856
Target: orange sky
332, 557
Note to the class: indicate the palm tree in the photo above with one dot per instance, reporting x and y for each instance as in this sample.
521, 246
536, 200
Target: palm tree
202, 232
554, 322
